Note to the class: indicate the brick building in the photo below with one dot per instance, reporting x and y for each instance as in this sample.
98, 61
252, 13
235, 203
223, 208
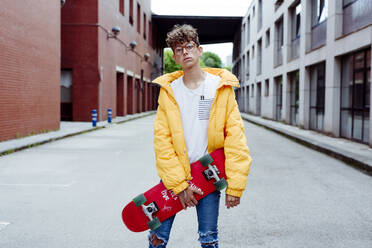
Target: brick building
59, 60
29, 67
100, 70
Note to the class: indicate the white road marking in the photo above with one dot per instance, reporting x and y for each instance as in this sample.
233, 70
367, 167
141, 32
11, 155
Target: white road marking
3, 225
37, 185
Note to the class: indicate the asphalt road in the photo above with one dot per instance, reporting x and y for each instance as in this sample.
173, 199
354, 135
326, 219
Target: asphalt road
70, 193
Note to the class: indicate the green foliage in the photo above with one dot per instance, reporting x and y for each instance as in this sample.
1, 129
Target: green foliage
211, 60
228, 68
208, 59
169, 64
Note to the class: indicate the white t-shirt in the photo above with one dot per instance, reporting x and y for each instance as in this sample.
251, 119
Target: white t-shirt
195, 106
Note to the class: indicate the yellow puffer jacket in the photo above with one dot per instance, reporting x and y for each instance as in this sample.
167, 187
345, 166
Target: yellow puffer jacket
225, 129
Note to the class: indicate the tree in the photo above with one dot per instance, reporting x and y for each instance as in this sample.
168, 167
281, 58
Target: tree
211, 60
169, 64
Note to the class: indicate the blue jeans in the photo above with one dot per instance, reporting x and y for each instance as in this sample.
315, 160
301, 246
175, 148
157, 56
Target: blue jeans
207, 210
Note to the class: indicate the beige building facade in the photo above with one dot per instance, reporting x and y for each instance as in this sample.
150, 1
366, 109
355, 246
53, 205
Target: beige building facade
307, 63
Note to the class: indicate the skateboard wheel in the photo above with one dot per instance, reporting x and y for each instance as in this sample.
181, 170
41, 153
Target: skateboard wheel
154, 224
139, 200
220, 184
206, 160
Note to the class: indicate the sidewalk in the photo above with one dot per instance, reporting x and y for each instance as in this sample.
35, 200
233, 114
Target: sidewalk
353, 153
67, 129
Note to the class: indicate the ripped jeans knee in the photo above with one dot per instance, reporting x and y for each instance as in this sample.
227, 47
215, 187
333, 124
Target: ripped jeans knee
156, 242
209, 239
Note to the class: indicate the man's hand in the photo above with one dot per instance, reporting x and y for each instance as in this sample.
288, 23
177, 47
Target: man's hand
187, 197
232, 201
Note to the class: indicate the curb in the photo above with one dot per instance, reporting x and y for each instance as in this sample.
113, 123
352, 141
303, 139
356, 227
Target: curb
328, 150
23, 147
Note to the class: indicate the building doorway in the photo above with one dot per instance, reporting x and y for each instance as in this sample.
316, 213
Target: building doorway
278, 98
355, 96
130, 102
294, 84
258, 99
120, 99
66, 95
317, 96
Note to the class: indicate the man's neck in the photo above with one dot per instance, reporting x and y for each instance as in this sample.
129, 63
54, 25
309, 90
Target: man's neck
193, 77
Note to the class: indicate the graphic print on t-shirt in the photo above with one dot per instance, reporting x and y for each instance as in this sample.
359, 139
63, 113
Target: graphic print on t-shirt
204, 108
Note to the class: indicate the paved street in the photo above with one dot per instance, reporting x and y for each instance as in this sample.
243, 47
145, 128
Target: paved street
70, 193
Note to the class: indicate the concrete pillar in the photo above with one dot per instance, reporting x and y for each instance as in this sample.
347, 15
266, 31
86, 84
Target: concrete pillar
286, 37
333, 76
273, 94
306, 24
332, 96
304, 108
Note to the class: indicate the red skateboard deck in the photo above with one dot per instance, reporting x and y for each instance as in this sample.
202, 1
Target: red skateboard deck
149, 209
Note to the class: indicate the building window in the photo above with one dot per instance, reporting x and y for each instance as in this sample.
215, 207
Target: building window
252, 51
138, 18
249, 30
121, 6
295, 31
144, 26
279, 42
355, 96
267, 87
252, 93
150, 35
259, 56
319, 12
278, 3
259, 15
247, 99
131, 12
243, 37
247, 66
243, 68
317, 96
254, 12
267, 37
348, 2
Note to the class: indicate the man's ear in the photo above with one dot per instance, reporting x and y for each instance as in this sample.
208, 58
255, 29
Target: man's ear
200, 48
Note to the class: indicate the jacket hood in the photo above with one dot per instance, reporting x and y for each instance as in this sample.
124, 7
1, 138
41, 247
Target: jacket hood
227, 78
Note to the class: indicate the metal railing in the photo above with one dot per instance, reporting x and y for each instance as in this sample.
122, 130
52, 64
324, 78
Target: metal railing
319, 35
357, 15
278, 57
295, 48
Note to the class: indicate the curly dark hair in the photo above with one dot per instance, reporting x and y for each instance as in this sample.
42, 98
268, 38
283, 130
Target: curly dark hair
181, 34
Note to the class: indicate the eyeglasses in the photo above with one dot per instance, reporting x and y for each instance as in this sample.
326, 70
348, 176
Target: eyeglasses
179, 49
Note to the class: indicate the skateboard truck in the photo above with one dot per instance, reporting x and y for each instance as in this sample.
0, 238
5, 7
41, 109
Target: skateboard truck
148, 210
212, 172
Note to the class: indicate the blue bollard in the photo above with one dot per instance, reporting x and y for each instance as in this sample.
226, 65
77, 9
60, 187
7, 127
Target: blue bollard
109, 115
94, 118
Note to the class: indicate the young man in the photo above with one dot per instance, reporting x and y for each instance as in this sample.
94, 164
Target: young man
197, 114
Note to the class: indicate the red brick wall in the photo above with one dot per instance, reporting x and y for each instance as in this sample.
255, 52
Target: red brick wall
113, 53
79, 46
29, 67
94, 58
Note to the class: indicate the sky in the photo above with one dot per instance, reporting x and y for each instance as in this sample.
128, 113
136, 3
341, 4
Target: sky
204, 8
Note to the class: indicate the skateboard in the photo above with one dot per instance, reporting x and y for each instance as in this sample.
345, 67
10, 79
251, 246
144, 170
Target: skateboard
150, 209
